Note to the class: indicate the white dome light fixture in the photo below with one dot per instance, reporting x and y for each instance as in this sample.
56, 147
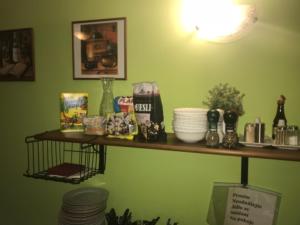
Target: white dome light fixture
218, 20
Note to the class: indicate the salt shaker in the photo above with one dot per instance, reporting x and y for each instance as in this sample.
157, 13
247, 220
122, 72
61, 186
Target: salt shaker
292, 135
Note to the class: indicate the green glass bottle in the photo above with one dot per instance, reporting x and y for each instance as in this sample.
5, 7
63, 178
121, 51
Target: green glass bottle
107, 101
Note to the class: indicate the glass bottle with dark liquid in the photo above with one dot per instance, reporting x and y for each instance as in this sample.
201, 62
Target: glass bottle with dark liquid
279, 121
212, 136
230, 139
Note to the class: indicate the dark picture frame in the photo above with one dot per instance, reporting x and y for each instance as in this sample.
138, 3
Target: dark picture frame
17, 55
99, 49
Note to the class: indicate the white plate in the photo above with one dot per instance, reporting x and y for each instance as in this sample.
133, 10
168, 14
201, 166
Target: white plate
287, 147
85, 197
84, 210
260, 145
100, 220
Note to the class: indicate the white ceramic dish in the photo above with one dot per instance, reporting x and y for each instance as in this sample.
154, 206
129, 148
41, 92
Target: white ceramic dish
85, 196
260, 145
190, 123
190, 110
286, 147
189, 118
192, 127
190, 114
190, 137
189, 130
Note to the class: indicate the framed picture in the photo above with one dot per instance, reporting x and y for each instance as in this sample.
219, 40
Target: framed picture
99, 49
16, 55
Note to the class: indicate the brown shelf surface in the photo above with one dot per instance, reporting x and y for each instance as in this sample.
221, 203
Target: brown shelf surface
172, 144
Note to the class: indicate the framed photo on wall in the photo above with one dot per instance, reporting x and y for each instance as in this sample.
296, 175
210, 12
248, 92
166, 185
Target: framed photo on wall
16, 55
99, 49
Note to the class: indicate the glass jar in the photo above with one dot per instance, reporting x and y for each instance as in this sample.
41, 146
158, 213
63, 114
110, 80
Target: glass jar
280, 135
107, 101
249, 132
292, 135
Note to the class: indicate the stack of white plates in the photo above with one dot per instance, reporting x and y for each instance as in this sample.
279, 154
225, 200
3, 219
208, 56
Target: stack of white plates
83, 206
190, 124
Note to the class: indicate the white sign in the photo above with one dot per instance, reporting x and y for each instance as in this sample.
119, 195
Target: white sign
250, 207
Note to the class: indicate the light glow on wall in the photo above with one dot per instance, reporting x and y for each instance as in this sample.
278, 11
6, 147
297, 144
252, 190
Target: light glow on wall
81, 36
217, 20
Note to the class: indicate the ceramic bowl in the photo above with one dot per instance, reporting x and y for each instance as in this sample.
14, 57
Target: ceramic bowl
190, 137
190, 129
190, 111
190, 122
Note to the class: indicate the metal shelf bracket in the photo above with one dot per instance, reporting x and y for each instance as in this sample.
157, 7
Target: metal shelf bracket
244, 170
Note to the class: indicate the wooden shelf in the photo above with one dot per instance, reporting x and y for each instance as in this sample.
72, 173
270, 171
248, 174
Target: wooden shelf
172, 144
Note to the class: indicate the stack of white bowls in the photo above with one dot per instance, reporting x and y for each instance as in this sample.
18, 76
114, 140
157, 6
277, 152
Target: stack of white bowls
190, 124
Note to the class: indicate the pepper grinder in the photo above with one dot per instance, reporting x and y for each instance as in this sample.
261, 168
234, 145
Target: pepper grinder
230, 139
212, 136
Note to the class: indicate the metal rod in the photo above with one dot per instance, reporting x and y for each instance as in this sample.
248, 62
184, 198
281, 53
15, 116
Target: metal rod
55, 153
51, 143
102, 159
33, 159
244, 171
48, 161
28, 158
43, 156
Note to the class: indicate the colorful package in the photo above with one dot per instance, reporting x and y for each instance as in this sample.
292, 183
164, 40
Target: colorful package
121, 125
73, 108
123, 104
149, 111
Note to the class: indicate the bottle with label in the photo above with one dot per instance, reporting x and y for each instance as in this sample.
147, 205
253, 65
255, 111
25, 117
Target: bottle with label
280, 119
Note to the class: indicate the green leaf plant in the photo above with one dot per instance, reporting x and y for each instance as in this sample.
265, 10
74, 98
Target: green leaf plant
226, 97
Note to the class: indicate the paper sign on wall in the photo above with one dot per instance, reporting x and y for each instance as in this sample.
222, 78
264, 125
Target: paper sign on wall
234, 204
250, 207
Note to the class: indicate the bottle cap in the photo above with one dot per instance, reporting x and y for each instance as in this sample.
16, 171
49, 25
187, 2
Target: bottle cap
213, 116
230, 119
281, 100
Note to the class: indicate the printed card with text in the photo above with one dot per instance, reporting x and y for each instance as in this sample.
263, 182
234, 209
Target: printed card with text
247, 206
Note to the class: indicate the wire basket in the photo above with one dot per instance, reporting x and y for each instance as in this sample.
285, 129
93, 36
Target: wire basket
63, 161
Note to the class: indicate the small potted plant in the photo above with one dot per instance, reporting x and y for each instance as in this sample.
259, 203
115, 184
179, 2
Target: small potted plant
225, 97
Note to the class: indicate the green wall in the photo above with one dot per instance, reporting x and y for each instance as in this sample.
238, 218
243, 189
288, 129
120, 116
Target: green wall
263, 65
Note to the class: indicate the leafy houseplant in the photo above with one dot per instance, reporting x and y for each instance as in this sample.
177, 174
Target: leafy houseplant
226, 97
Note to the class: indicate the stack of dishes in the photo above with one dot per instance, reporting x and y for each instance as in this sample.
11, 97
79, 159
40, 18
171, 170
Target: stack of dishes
190, 124
83, 206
